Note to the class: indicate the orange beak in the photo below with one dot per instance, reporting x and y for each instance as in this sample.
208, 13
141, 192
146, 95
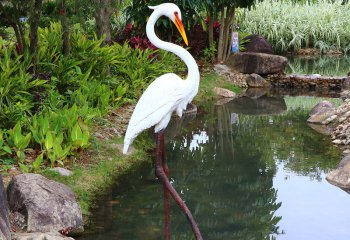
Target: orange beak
180, 27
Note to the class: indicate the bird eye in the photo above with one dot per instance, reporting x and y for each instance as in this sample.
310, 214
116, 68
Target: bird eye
176, 13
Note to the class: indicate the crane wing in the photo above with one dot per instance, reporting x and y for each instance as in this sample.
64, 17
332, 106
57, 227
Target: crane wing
158, 101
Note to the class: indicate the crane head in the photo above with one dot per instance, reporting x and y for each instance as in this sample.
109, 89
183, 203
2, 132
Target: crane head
173, 12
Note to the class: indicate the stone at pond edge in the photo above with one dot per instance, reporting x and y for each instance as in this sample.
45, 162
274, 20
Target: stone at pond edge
47, 205
320, 107
340, 176
4, 214
322, 113
256, 81
260, 63
224, 92
40, 236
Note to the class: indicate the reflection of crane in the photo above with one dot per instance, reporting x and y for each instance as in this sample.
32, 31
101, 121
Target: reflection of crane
166, 94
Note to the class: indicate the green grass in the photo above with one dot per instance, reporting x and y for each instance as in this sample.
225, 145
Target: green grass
91, 178
208, 82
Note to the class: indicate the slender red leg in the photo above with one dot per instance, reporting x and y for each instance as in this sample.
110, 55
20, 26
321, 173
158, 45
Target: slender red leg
166, 197
166, 184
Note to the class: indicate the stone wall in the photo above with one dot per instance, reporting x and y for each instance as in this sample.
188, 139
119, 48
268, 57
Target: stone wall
311, 82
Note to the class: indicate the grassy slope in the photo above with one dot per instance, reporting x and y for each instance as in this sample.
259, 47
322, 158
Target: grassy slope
103, 164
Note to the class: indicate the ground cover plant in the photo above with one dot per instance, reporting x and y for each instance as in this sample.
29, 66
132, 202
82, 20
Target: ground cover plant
292, 25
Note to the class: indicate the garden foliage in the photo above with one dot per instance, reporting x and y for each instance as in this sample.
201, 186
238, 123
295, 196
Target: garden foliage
46, 117
291, 25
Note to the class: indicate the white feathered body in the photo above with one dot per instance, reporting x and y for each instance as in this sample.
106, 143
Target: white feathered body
166, 94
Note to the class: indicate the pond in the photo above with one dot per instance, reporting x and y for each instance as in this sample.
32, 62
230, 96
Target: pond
248, 169
337, 65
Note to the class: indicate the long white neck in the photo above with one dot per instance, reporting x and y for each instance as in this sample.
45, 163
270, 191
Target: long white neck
193, 72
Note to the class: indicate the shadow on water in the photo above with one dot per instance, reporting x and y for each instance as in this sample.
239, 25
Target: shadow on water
241, 168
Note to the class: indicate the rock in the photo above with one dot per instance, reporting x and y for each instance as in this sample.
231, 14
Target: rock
222, 69
340, 176
235, 77
4, 214
224, 92
329, 119
40, 236
255, 93
257, 44
47, 205
337, 141
323, 129
324, 105
256, 81
260, 63
322, 113
62, 171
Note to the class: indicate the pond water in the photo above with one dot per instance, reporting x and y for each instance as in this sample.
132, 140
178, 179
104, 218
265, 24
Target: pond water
337, 65
249, 169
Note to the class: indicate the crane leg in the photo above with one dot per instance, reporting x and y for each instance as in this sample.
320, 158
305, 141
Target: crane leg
166, 197
160, 173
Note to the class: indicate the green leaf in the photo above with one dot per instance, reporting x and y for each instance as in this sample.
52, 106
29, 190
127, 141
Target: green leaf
39, 159
85, 139
25, 141
17, 136
24, 168
48, 141
7, 149
76, 134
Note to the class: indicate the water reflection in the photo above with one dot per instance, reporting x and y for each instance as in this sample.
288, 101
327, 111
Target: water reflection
337, 65
234, 166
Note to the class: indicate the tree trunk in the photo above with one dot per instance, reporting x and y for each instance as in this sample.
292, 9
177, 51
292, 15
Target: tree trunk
17, 27
227, 16
4, 214
65, 29
34, 19
221, 36
102, 15
227, 32
211, 27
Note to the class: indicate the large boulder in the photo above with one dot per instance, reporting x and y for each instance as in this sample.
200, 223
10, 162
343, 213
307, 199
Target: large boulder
340, 176
260, 63
4, 214
45, 204
258, 44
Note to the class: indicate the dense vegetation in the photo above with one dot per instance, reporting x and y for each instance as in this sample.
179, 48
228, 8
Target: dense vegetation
290, 25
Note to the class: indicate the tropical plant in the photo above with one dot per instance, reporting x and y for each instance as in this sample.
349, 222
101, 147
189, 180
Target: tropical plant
323, 24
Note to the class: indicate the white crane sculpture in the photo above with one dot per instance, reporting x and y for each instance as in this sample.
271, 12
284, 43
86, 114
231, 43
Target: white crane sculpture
166, 94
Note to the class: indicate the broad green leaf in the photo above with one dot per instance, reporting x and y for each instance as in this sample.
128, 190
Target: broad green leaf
39, 159
76, 134
49, 140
